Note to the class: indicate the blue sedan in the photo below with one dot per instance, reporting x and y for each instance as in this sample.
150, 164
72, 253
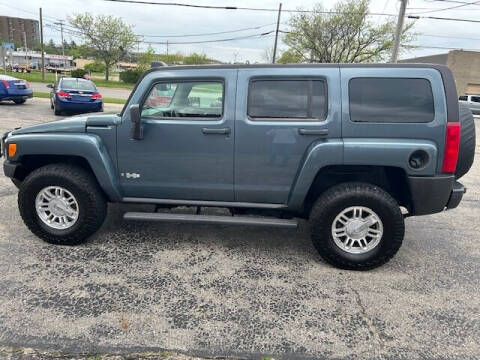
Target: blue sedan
14, 89
75, 95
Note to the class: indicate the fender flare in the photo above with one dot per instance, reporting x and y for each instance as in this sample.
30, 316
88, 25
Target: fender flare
318, 155
87, 146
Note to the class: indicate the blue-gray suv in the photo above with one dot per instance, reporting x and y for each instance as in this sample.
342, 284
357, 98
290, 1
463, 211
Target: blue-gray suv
352, 148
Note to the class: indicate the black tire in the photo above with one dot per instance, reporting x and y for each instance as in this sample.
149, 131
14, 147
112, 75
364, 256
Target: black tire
18, 102
467, 141
338, 198
92, 204
56, 111
16, 182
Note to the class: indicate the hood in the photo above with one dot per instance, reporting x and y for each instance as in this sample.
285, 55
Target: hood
74, 124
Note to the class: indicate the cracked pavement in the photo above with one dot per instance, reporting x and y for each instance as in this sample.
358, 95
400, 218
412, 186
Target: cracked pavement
241, 292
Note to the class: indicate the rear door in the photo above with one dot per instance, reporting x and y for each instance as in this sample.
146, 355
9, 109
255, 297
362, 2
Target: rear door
280, 114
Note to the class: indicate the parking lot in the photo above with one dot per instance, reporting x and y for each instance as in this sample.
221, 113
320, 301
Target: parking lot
243, 292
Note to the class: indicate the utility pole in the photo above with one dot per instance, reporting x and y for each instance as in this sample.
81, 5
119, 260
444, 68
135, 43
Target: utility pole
26, 56
3, 51
398, 32
41, 45
276, 34
60, 22
167, 47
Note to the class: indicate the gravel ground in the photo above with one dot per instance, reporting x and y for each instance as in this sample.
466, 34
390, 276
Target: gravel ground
207, 291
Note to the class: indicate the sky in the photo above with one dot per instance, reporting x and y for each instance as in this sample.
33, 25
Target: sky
172, 21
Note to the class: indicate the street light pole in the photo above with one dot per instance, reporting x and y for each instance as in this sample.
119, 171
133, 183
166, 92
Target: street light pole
398, 32
60, 22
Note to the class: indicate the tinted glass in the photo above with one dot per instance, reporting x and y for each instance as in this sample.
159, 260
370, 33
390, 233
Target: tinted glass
475, 98
300, 99
463, 98
391, 100
77, 85
189, 99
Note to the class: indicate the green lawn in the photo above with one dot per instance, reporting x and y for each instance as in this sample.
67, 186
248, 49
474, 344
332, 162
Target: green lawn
107, 100
36, 76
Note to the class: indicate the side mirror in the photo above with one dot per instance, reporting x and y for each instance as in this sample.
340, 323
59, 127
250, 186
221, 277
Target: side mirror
136, 118
50, 86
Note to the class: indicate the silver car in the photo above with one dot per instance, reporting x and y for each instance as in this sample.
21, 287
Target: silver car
472, 101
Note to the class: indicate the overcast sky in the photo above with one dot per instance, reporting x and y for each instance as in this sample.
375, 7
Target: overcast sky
172, 20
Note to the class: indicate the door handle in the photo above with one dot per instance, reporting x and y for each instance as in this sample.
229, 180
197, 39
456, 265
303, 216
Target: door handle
321, 132
216, 131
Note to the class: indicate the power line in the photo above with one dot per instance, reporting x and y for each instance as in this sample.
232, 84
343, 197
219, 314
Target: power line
448, 8
207, 34
210, 41
146, 2
441, 18
451, 37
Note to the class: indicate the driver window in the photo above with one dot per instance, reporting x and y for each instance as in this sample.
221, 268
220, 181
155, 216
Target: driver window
195, 99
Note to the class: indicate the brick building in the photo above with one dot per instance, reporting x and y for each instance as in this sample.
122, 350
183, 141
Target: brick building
465, 66
14, 30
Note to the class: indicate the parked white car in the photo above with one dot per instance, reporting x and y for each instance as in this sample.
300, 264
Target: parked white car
472, 102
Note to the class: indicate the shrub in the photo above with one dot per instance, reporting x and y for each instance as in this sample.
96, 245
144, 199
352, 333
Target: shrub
131, 76
97, 67
78, 73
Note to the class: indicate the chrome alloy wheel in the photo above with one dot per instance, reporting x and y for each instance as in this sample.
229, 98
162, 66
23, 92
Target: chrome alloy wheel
357, 230
57, 207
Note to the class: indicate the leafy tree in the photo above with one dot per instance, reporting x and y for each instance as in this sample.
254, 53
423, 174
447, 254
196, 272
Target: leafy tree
346, 36
145, 59
109, 37
196, 59
289, 57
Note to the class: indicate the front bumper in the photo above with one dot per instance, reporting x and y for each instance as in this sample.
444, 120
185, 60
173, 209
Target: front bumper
434, 194
9, 168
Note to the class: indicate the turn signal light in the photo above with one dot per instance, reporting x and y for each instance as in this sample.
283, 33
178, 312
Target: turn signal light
452, 144
12, 150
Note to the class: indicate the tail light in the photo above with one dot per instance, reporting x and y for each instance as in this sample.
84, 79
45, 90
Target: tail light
63, 94
96, 96
452, 144
6, 84
27, 84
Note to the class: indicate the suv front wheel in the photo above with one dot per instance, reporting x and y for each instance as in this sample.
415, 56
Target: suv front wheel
62, 204
356, 226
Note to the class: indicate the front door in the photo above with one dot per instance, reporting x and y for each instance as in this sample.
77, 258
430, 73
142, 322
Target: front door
188, 131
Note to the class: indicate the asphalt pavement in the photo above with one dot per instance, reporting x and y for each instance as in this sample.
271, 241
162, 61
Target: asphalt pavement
206, 290
105, 91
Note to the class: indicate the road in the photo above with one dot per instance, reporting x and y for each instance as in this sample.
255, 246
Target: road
244, 292
105, 91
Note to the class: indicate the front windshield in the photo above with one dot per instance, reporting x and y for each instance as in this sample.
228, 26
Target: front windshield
78, 85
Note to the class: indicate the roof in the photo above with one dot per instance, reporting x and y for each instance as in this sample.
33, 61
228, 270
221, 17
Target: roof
73, 78
8, 78
320, 65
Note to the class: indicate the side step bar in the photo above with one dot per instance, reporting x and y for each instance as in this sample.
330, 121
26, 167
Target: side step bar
211, 219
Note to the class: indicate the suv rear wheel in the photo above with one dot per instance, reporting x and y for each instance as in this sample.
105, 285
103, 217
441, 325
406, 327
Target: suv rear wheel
62, 204
356, 226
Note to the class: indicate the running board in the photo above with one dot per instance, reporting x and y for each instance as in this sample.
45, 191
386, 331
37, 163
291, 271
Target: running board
211, 219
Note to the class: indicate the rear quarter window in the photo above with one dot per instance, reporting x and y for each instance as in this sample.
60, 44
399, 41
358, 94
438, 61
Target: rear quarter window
391, 100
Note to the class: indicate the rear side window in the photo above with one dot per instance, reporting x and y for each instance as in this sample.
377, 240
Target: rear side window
287, 99
463, 98
391, 100
475, 98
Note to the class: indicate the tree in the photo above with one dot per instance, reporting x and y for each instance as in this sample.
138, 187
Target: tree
109, 37
145, 59
345, 36
289, 57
